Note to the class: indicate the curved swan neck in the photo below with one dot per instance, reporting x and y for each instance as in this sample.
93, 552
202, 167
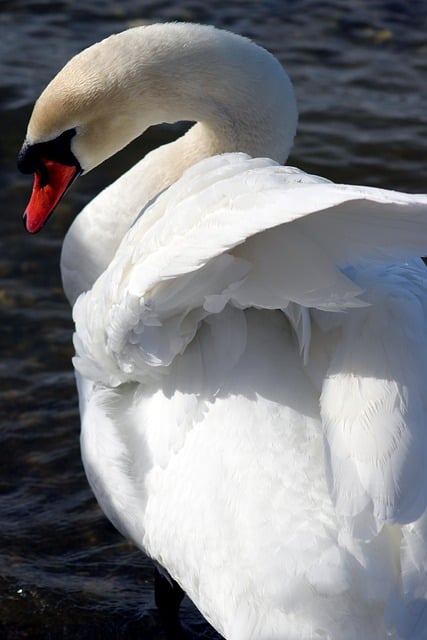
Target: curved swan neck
237, 92
113, 91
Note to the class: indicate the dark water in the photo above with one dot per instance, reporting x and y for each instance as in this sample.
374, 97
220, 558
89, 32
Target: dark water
360, 71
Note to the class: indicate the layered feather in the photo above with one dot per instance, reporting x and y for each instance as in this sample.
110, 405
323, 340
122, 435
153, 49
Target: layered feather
242, 231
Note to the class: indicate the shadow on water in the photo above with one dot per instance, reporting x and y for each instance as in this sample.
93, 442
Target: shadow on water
360, 76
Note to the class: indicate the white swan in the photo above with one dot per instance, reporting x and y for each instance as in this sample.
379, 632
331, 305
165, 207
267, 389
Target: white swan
251, 352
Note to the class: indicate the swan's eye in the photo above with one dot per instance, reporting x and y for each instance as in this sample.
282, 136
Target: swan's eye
42, 173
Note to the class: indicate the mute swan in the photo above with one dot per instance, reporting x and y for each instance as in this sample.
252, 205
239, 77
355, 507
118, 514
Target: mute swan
251, 351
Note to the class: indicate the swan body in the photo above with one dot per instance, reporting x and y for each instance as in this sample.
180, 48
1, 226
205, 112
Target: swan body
251, 342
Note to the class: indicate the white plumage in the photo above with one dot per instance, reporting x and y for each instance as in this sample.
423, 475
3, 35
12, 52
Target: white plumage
251, 358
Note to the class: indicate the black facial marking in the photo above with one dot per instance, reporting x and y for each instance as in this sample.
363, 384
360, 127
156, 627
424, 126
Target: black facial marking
58, 150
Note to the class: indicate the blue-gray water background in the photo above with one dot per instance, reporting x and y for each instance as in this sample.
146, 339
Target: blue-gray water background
360, 71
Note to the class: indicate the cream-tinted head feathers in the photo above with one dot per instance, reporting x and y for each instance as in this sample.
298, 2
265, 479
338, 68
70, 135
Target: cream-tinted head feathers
112, 91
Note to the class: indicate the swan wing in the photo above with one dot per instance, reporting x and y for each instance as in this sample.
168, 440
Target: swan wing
373, 401
240, 230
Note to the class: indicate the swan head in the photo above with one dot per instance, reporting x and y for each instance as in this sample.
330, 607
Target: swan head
79, 120
114, 90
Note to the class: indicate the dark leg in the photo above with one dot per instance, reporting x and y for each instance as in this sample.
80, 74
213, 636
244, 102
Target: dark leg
168, 596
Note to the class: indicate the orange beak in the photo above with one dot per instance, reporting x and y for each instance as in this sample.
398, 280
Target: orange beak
51, 181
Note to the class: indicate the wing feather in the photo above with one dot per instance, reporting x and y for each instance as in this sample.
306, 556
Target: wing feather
373, 402
239, 230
